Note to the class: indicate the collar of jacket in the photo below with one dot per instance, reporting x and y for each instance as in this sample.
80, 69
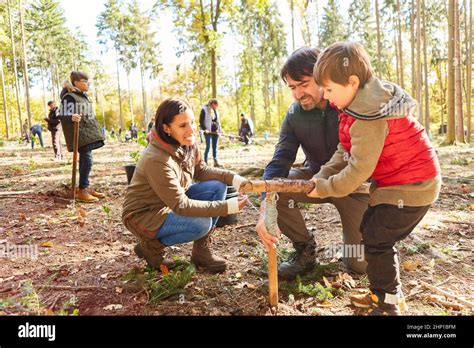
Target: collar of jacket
173, 150
380, 99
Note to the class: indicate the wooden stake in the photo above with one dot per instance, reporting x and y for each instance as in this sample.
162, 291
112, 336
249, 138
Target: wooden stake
74, 159
270, 224
273, 277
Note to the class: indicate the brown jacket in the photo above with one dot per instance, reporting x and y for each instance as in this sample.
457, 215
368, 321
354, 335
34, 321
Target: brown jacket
159, 187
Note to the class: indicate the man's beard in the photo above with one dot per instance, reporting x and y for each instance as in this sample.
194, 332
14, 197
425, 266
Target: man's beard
307, 102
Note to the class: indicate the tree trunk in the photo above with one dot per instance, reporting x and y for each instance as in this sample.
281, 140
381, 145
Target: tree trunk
450, 135
118, 89
400, 47
15, 71
317, 24
412, 42
214, 73
397, 56
145, 109
130, 98
250, 53
4, 94
418, 95
379, 44
266, 96
442, 88
457, 77
469, 74
292, 9
25, 66
45, 104
237, 106
425, 65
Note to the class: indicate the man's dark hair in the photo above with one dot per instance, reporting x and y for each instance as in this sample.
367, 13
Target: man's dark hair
50, 103
300, 64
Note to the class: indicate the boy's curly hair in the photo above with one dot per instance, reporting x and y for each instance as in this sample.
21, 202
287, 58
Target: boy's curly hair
341, 60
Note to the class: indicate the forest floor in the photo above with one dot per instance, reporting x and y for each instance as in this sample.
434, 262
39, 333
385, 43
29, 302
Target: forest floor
85, 262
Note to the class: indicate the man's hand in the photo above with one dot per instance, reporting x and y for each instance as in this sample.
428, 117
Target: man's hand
314, 193
243, 200
206, 131
76, 118
268, 240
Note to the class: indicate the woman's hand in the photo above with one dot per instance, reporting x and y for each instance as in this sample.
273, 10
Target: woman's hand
243, 200
313, 193
76, 118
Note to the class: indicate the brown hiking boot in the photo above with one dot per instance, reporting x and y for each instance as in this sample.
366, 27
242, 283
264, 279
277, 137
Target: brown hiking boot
95, 193
217, 164
83, 195
152, 251
202, 255
375, 306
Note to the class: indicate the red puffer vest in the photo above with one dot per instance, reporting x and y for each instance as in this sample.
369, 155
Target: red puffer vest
407, 156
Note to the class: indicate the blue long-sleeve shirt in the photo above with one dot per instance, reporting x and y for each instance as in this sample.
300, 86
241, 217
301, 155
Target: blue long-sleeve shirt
316, 131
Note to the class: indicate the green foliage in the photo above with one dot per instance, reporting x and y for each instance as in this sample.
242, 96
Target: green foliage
460, 161
332, 24
173, 283
309, 285
31, 302
135, 155
416, 248
160, 286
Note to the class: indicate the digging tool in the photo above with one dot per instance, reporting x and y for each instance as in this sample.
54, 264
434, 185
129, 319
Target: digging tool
74, 159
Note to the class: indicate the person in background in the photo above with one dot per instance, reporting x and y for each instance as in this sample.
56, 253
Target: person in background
246, 129
36, 130
77, 107
54, 126
211, 126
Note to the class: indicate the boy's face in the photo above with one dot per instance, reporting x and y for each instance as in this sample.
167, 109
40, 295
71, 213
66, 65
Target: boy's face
340, 95
306, 92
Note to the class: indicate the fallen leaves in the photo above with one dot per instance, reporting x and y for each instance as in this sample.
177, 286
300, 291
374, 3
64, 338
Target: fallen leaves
410, 265
47, 244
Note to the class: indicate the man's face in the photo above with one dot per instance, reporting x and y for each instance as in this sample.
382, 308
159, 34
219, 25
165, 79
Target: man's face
306, 91
52, 106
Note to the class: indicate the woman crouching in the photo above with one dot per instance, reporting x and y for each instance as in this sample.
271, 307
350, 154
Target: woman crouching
162, 206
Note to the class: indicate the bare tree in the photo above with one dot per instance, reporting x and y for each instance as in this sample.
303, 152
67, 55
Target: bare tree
450, 134
4, 94
457, 77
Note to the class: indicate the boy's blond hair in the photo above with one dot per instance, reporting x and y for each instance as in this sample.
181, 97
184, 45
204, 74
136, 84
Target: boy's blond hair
341, 60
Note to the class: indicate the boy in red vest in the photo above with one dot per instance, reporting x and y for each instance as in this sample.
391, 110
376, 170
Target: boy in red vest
380, 139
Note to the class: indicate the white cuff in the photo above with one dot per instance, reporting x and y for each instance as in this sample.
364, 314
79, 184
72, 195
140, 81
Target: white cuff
232, 206
237, 180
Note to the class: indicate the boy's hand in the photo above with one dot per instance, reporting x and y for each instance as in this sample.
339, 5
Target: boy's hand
314, 193
76, 118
